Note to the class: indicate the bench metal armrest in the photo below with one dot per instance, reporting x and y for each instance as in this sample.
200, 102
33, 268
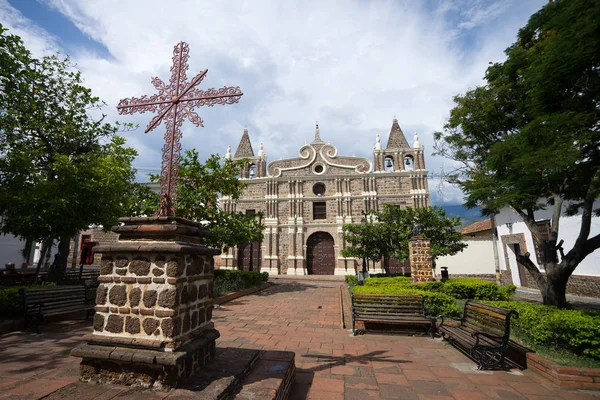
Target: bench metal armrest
476, 335
448, 317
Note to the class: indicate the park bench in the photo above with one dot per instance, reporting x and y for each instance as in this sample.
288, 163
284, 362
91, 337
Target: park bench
396, 309
483, 333
88, 278
57, 300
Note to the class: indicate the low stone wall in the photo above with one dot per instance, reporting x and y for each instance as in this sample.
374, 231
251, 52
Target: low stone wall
487, 277
580, 378
578, 285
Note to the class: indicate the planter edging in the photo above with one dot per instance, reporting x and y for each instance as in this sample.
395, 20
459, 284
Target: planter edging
572, 377
240, 293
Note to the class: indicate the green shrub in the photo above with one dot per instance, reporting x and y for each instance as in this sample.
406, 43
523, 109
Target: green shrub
577, 331
386, 275
506, 293
388, 281
351, 280
264, 276
479, 289
11, 302
227, 281
435, 303
431, 286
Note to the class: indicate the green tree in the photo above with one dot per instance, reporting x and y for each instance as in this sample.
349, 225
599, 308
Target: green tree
61, 169
528, 139
365, 240
388, 232
198, 191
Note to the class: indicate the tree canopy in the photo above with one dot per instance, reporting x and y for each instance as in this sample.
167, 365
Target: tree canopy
198, 191
528, 138
387, 232
61, 168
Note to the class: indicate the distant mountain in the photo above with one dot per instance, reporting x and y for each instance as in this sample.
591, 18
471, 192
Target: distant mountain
467, 216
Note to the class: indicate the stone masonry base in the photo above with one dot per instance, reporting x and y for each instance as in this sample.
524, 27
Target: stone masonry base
235, 373
145, 368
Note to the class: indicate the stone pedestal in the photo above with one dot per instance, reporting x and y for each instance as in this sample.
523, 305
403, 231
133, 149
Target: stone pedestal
421, 262
152, 326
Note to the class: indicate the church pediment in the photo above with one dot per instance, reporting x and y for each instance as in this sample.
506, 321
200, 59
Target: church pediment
317, 158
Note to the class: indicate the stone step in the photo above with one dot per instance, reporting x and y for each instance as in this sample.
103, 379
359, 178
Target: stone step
234, 374
271, 378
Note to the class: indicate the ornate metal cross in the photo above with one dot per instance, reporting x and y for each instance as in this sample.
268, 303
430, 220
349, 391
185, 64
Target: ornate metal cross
172, 103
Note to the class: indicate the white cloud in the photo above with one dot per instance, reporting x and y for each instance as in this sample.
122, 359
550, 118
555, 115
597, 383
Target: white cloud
37, 40
351, 65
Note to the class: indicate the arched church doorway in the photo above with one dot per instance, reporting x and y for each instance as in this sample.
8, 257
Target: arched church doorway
244, 252
320, 254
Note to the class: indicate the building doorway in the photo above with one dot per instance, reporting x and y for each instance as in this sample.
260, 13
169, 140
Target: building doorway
243, 260
320, 254
523, 278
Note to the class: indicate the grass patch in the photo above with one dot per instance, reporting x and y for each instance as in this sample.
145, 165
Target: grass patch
560, 356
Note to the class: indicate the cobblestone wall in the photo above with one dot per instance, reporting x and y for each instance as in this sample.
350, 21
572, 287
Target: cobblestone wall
421, 263
578, 285
150, 296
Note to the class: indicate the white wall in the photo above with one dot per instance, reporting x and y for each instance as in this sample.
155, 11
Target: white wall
10, 250
477, 258
568, 231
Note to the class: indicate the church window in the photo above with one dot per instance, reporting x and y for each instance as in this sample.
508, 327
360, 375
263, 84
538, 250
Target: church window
319, 169
389, 164
319, 189
252, 171
409, 163
319, 210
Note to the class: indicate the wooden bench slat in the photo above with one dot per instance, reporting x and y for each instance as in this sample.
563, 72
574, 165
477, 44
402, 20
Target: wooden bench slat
392, 309
481, 318
54, 301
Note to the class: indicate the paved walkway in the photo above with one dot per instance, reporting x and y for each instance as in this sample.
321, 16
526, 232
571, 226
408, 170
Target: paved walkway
304, 318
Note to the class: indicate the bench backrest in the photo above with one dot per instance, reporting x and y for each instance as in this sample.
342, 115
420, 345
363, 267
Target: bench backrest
387, 304
54, 299
88, 278
485, 318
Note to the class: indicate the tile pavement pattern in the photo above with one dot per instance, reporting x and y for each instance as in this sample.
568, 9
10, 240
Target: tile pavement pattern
331, 364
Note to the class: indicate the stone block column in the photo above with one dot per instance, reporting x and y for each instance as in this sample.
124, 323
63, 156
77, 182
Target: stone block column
421, 262
152, 326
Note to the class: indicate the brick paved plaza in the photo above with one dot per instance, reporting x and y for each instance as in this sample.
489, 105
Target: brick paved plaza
300, 317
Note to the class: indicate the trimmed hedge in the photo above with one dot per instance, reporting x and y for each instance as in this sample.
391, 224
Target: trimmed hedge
435, 303
576, 331
227, 281
438, 296
351, 280
478, 289
458, 288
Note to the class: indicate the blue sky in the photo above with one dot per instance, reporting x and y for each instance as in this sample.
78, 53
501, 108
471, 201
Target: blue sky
351, 65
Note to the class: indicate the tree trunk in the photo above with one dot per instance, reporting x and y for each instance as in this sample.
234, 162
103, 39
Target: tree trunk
46, 245
386, 263
555, 291
60, 262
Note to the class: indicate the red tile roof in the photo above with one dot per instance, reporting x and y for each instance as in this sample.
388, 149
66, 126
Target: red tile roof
479, 226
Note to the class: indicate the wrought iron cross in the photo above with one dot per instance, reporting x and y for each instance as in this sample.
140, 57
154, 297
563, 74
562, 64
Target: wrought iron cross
172, 103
